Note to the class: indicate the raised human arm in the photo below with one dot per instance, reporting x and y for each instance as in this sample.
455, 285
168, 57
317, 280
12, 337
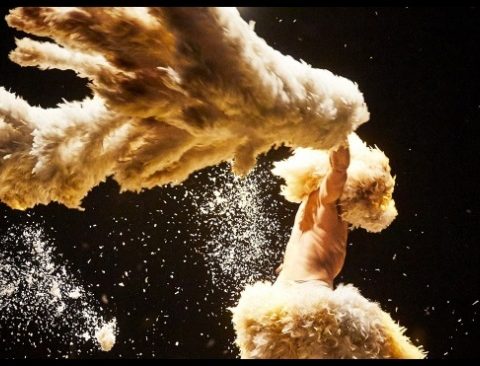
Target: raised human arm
332, 186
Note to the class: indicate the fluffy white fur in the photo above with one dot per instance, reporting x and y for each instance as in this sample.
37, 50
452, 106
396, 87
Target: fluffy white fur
303, 321
175, 90
367, 197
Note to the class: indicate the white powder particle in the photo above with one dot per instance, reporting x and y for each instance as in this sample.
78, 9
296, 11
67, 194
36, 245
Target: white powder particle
75, 294
61, 308
106, 336
7, 290
55, 290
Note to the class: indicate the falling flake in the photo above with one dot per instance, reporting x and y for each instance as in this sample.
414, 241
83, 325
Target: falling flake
105, 336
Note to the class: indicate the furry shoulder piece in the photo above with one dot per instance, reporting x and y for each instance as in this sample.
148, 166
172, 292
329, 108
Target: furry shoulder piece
367, 197
283, 321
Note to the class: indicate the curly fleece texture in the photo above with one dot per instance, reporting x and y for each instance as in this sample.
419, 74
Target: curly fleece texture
174, 90
280, 321
367, 197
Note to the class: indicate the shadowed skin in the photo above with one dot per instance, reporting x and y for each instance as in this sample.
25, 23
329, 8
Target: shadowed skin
317, 246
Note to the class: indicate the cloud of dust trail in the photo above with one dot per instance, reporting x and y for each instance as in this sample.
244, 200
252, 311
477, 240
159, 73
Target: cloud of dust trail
42, 301
175, 90
236, 225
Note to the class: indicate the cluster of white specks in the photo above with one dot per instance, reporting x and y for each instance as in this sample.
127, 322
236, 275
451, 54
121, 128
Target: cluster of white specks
105, 335
429, 310
239, 229
41, 302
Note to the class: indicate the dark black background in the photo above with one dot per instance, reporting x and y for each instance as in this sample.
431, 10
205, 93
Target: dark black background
418, 70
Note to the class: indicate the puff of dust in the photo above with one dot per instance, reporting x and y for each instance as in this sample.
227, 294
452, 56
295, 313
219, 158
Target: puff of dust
105, 336
174, 90
236, 225
36, 289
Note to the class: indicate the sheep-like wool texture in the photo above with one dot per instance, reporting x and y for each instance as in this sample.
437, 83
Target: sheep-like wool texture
367, 196
298, 321
174, 90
